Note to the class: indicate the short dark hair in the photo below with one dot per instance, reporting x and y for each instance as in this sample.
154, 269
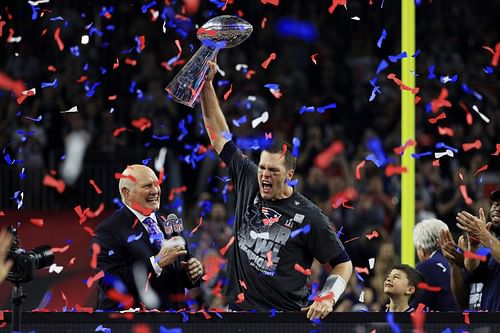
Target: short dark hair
414, 277
277, 147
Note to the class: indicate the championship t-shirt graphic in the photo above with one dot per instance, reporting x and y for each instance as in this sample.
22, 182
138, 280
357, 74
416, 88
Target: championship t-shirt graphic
261, 237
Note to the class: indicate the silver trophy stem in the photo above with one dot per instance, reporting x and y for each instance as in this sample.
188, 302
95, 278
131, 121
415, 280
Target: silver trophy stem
187, 84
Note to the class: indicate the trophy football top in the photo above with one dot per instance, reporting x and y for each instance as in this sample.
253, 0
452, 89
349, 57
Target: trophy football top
224, 31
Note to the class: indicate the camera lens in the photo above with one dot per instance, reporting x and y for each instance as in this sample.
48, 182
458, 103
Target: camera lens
42, 256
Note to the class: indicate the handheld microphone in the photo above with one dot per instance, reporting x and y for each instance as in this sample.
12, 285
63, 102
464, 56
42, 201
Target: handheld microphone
173, 228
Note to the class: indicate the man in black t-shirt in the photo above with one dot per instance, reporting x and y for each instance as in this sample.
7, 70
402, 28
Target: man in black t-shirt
278, 232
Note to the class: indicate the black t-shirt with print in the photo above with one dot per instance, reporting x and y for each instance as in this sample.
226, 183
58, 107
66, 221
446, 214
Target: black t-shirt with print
262, 263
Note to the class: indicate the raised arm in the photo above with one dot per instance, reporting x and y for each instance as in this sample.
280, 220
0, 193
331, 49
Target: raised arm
215, 122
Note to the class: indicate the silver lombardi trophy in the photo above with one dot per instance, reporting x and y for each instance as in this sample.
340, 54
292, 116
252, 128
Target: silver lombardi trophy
220, 32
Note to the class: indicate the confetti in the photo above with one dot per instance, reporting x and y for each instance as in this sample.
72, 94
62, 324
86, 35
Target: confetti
224, 249
441, 101
96, 188
496, 54
463, 191
336, 3
425, 286
381, 38
52, 182
474, 145
266, 62
57, 38
373, 234
54, 268
483, 117
262, 119
302, 270
314, 58
271, 2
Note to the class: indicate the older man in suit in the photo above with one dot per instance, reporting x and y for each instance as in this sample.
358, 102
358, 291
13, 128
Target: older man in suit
144, 264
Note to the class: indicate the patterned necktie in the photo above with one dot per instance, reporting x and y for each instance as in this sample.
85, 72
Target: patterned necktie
155, 234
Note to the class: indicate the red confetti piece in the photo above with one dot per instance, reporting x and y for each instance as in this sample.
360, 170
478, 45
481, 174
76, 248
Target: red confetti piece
323, 159
92, 279
82, 214
115, 295
360, 270
37, 222
401, 85
243, 284
401, 149
468, 115
481, 169
496, 54
271, 2
392, 170
135, 223
2, 23
497, 152
249, 74
418, 318
472, 255
116, 64
351, 240
266, 62
336, 3
223, 250
313, 58
52, 182
2, 213
51, 68
436, 119
117, 131
16, 86
141, 328
57, 37
463, 191
96, 213
373, 234
417, 99
269, 256
474, 145
211, 132
141, 123
240, 298
131, 62
208, 32
71, 261
198, 226
300, 269
82, 79
358, 169
96, 188
205, 314
60, 249
175, 191
119, 175
112, 98
262, 23
466, 318
435, 163
90, 231
441, 101
142, 42
141, 209
445, 131
227, 93
425, 286
225, 6
284, 148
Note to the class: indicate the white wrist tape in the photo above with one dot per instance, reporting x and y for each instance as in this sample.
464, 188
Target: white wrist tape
334, 284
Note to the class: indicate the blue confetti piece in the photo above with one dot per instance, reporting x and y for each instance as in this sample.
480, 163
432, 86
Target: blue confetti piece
469, 91
375, 90
273, 86
431, 74
427, 153
292, 182
416, 54
162, 137
447, 330
133, 238
238, 122
442, 145
382, 65
57, 18
37, 119
34, 13
146, 161
47, 297
222, 83
22, 175
146, 7
273, 313
49, 84
91, 91
316, 321
398, 57
390, 319
94, 30
227, 135
378, 155
218, 314
118, 202
305, 109
293, 28
381, 39
304, 230
339, 233
101, 328
296, 146
185, 317
446, 79
322, 109
75, 50
483, 251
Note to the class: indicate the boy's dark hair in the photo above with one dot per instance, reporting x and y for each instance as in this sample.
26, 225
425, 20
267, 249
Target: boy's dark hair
277, 147
414, 277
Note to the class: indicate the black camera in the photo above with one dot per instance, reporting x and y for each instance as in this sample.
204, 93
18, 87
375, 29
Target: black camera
26, 263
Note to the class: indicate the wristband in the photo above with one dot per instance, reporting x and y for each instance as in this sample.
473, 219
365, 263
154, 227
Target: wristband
334, 284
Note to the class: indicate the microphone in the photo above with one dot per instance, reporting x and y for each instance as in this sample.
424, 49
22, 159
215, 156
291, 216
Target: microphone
173, 228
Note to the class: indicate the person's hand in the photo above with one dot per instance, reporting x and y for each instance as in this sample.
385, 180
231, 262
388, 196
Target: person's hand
319, 309
212, 70
5, 241
450, 248
194, 268
474, 226
167, 255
